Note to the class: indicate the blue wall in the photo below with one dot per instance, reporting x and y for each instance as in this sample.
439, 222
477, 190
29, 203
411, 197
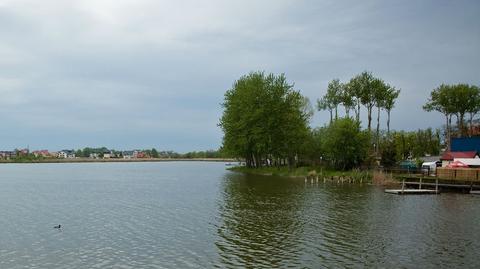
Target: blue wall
466, 144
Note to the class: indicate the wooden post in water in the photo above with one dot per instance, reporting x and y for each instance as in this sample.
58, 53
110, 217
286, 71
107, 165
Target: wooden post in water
420, 185
403, 185
436, 185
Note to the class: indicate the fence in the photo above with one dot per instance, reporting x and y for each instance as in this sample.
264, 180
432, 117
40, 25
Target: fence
466, 174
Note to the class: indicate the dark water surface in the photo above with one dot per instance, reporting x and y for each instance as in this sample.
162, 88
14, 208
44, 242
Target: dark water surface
198, 215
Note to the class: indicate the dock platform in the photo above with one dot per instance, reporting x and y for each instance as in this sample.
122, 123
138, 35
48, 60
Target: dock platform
411, 191
475, 192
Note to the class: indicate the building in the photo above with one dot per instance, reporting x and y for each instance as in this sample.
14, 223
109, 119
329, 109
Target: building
66, 154
8, 154
41, 153
465, 144
128, 154
451, 156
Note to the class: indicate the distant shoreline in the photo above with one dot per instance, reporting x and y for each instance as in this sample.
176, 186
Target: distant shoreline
115, 160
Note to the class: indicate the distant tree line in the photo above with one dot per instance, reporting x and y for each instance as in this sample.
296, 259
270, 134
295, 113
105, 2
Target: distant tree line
149, 153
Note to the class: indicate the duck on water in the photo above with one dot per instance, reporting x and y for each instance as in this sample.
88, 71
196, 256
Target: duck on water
59, 226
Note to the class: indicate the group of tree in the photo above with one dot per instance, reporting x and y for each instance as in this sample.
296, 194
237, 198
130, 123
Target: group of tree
402, 145
265, 120
456, 100
363, 89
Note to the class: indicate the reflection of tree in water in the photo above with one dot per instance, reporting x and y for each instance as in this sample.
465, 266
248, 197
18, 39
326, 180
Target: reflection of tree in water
259, 226
337, 218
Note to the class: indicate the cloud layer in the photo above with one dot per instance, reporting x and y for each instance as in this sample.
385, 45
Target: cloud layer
133, 74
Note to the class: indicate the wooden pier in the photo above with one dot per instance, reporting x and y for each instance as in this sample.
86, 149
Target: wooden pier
464, 180
411, 191
404, 191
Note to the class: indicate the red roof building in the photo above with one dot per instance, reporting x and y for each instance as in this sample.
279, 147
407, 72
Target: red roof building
450, 156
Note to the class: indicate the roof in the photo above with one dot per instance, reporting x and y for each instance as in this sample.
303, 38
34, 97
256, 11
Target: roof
449, 156
466, 143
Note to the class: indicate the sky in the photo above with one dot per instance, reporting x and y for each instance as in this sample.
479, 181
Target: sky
143, 74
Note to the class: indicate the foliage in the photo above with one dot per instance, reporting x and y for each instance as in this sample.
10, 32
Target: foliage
345, 145
264, 119
455, 100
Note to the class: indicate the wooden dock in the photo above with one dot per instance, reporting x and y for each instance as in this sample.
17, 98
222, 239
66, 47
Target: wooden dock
404, 191
411, 191
475, 192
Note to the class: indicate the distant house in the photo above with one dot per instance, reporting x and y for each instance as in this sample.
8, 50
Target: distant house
451, 156
139, 154
41, 153
107, 154
66, 154
128, 154
94, 155
22, 152
8, 154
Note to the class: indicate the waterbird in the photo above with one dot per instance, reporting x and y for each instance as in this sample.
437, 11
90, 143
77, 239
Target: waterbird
57, 227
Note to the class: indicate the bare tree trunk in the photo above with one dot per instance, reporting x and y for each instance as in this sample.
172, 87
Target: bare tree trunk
357, 112
462, 125
388, 122
347, 111
369, 111
470, 130
378, 128
331, 116
336, 113
449, 122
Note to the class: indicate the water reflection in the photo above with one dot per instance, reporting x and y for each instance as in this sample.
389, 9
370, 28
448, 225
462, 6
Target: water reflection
260, 222
268, 222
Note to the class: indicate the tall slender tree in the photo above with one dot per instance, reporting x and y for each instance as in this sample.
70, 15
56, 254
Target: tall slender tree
390, 99
440, 100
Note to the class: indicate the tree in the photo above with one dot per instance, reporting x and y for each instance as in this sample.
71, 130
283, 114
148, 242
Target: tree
347, 99
345, 144
473, 104
332, 98
154, 153
324, 104
264, 119
380, 90
440, 100
389, 104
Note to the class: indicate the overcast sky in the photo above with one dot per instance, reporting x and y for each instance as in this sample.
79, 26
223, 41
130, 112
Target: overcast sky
142, 74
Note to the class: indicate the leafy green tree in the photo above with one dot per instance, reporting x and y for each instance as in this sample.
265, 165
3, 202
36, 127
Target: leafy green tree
332, 98
388, 152
380, 91
345, 144
441, 100
154, 153
264, 118
348, 99
473, 106
389, 104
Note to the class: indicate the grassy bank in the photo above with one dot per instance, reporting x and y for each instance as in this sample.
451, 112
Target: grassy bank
302, 172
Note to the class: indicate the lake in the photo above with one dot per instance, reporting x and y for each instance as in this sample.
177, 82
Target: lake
199, 215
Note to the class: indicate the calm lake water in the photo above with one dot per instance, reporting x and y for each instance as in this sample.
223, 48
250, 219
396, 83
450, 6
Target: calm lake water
198, 215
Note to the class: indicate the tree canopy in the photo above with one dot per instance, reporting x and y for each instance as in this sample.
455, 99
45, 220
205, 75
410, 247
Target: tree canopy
265, 119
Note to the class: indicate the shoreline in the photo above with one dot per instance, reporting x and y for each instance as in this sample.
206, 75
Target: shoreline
114, 160
305, 171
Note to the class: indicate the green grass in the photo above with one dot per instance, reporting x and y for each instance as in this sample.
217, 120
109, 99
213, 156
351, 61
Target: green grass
302, 172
